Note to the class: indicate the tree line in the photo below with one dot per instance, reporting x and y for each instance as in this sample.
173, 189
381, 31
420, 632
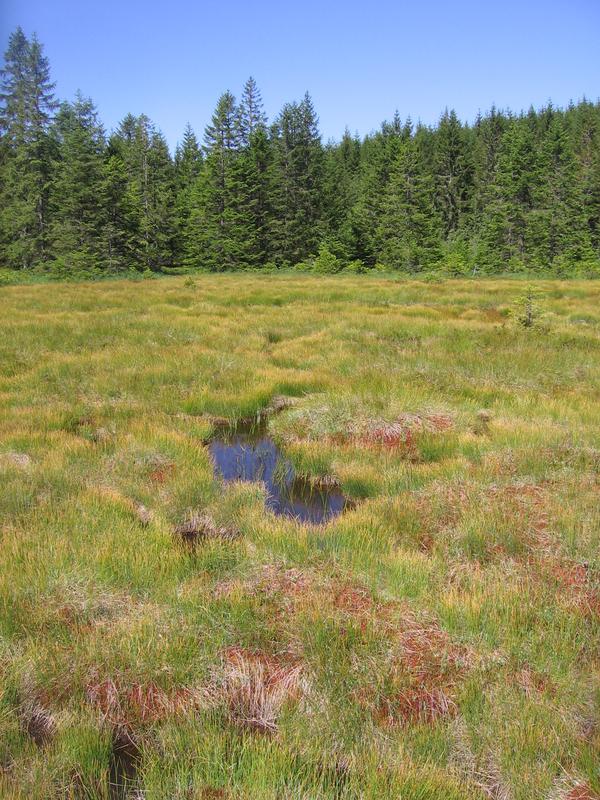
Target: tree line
508, 193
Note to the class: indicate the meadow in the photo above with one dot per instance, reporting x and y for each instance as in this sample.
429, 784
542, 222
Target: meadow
439, 640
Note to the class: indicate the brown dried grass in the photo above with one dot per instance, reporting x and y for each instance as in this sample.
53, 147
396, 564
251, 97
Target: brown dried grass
200, 527
256, 686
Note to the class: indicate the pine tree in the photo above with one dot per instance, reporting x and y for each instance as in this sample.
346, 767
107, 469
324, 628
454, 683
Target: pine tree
27, 105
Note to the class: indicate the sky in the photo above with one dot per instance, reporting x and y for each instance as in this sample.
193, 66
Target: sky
360, 61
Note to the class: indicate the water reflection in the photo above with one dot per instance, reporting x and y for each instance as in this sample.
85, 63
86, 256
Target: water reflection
247, 453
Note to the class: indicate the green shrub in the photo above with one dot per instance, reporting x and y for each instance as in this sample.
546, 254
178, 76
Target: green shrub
516, 265
454, 265
326, 262
564, 267
304, 266
528, 309
78, 265
357, 267
8, 277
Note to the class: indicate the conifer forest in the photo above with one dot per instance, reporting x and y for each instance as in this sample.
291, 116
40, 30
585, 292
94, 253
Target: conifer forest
507, 192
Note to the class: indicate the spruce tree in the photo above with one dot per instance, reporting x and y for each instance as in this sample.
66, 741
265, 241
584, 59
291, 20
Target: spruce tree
453, 165
378, 154
254, 205
215, 238
149, 194
188, 159
27, 105
297, 182
341, 163
76, 199
558, 227
188, 166
251, 116
505, 224
120, 242
410, 231
587, 131
159, 228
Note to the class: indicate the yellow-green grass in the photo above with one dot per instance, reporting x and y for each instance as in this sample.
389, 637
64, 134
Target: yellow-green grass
438, 640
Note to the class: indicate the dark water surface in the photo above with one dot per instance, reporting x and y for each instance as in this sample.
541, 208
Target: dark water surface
123, 767
247, 453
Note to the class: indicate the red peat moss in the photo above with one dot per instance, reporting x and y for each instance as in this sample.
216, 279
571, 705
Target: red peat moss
582, 791
127, 705
416, 705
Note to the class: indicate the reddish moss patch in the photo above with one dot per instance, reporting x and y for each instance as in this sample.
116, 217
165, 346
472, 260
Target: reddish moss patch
582, 791
580, 585
162, 473
353, 599
123, 705
273, 579
424, 672
273, 664
430, 657
416, 705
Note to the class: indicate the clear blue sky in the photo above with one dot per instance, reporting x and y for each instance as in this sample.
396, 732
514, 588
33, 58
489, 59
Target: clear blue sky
359, 60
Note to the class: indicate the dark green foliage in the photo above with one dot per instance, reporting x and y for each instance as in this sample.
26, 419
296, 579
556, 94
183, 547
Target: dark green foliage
297, 183
506, 194
188, 166
453, 171
340, 185
148, 200
77, 203
120, 228
25, 115
251, 116
216, 241
409, 235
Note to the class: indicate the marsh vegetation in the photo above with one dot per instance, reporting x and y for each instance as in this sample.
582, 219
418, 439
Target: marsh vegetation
162, 630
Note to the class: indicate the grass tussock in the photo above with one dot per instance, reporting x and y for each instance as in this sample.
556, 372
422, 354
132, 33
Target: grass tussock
256, 687
200, 527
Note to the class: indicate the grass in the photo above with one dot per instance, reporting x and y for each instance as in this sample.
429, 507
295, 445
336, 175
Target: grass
438, 640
